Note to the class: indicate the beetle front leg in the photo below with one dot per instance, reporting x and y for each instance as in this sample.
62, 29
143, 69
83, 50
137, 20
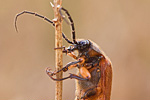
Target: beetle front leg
71, 65
71, 54
71, 76
64, 69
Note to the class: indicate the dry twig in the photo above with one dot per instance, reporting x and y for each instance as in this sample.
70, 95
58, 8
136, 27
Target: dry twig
58, 43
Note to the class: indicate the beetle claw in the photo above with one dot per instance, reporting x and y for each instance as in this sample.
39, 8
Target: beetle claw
48, 71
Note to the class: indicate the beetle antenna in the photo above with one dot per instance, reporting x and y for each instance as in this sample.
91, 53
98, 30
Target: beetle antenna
40, 16
67, 39
32, 13
72, 23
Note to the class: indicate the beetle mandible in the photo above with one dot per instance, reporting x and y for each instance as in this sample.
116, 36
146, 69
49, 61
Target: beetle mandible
94, 77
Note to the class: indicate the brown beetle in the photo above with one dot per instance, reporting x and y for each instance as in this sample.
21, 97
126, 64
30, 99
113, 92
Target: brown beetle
94, 77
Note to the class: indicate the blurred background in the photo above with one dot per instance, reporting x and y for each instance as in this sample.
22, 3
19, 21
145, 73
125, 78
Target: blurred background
120, 27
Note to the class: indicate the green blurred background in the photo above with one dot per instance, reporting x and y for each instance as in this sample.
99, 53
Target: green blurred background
120, 27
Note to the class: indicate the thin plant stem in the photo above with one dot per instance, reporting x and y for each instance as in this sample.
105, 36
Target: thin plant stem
58, 43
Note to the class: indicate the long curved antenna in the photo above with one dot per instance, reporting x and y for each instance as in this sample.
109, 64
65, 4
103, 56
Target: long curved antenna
40, 16
32, 13
72, 23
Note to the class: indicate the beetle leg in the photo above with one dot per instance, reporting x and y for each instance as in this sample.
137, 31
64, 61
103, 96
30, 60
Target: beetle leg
64, 69
71, 54
71, 76
69, 66
63, 47
84, 73
89, 92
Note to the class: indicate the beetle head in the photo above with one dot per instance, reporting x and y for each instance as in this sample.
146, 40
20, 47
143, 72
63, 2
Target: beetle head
80, 46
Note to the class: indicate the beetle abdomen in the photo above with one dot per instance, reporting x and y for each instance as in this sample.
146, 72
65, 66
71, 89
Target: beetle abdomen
85, 89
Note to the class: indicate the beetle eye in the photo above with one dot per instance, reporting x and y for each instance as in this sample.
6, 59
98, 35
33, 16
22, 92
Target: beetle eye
84, 43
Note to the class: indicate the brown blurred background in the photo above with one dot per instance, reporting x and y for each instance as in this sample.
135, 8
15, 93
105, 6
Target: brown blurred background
120, 27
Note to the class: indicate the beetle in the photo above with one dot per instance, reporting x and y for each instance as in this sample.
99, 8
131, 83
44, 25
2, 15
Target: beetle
94, 77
